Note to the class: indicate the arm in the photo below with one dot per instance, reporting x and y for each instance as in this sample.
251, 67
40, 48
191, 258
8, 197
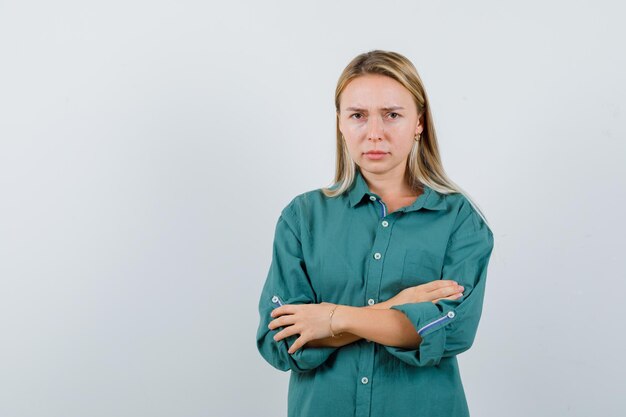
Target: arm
287, 278
345, 338
385, 326
360, 323
449, 327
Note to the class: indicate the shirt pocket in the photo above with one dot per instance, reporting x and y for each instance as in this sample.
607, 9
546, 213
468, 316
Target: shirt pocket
421, 266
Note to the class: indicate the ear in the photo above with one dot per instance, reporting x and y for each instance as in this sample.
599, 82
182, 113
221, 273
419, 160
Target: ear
339, 124
419, 128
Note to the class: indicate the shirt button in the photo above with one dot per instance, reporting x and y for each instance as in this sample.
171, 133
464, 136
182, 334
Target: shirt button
371, 301
451, 314
377, 255
372, 198
385, 223
364, 380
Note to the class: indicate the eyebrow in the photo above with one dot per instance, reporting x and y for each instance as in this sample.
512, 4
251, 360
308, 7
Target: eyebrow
392, 108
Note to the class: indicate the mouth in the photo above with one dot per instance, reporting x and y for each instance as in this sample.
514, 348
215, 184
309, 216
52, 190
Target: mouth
375, 155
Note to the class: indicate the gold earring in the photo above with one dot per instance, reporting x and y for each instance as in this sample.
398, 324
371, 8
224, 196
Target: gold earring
417, 137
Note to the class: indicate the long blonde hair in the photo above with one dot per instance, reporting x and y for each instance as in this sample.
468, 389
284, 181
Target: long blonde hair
424, 163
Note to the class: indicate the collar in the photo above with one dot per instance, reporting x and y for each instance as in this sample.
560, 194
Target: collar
429, 199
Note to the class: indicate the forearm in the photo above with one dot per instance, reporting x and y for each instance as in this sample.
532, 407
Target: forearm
339, 341
346, 338
383, 326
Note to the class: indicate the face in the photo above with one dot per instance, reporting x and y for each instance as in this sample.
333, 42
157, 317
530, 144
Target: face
378, 119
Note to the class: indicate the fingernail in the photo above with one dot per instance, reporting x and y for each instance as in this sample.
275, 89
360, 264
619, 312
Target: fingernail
461, 287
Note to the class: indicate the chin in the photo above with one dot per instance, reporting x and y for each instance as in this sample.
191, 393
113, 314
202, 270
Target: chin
373, 169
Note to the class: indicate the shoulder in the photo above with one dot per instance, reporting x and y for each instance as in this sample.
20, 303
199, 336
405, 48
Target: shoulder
307, 207
467, 218
457, 204
308, 202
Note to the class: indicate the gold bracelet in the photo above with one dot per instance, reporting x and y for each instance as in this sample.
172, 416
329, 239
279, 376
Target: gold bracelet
331, 323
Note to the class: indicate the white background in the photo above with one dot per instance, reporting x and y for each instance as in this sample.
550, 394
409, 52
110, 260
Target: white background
147, 148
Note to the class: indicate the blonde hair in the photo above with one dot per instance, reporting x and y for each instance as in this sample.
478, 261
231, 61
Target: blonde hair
424, 163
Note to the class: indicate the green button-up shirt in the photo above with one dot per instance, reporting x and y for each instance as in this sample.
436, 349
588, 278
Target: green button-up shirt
349, 250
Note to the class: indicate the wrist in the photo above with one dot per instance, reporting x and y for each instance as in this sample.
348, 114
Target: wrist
333, 333
341, 319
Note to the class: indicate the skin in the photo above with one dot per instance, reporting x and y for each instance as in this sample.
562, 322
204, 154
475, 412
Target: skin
376, 113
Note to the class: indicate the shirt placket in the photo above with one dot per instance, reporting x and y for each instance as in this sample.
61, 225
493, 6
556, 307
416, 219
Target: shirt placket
372, 295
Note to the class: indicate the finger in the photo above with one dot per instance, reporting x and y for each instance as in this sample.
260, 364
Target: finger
444, 283
286, 332
297, 345
282, 321
446, 291
435, 285
285, 309
452, 297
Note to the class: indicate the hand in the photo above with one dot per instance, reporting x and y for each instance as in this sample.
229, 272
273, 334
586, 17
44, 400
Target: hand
310, 321
441, 289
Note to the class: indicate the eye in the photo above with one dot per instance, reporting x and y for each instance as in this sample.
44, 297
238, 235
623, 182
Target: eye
394, 115
354, 116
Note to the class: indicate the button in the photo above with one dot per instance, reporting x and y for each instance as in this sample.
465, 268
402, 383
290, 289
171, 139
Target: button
451, 314
371, 301
372, 198
274, 299
364, 380
385, 223
377, 255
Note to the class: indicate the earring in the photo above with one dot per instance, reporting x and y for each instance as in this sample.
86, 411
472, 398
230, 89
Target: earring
417, 137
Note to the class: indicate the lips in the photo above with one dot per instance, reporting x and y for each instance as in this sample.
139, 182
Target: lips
375, 155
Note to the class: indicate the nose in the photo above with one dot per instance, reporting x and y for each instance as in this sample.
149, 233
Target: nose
376, 129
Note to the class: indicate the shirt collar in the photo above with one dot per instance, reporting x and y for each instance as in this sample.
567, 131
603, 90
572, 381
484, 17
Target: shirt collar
429, 199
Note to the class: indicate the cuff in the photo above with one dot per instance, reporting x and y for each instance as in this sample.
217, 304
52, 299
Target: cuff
306, 359
429, 322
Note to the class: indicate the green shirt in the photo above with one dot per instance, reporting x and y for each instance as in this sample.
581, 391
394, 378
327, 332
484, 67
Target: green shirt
349, 250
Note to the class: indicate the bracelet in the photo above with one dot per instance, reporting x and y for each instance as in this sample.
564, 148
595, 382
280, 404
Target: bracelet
332, 334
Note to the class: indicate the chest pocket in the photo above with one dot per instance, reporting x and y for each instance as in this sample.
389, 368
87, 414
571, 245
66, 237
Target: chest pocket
421, 266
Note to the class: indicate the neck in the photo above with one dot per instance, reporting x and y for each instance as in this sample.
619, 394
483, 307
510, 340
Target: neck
392, 183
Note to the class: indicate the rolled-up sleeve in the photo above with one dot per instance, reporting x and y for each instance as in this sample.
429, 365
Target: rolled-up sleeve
288, 280
449, 327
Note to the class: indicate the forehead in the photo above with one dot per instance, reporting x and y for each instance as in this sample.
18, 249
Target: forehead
374, 90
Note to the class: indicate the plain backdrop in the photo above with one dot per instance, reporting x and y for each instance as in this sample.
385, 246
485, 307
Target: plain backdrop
147, 148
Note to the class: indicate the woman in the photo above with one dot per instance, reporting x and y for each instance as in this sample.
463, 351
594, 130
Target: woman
377, 282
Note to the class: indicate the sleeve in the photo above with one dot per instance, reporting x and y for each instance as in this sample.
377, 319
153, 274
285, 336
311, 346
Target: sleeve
448, 327
287, 280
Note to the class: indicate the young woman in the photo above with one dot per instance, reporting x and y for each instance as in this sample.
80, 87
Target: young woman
377, 282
